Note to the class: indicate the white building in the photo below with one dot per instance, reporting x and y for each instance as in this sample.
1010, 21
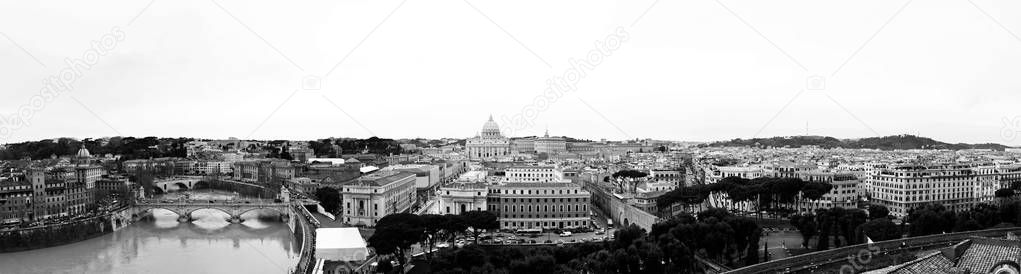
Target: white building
371, 197
534, 174
489, 144
213, 167
670, 176
463, 197
550, 145
844, 194
903, 188
715, 174
426, 176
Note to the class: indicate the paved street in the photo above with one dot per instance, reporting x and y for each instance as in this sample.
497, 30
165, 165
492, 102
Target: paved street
780, 243
542, 238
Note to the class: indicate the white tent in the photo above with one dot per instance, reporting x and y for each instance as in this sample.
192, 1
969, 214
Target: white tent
341, 245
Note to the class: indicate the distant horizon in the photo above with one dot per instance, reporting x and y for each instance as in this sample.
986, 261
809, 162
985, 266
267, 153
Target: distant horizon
511, 137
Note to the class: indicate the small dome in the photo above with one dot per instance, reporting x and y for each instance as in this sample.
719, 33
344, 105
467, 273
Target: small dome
352, 161
84, 153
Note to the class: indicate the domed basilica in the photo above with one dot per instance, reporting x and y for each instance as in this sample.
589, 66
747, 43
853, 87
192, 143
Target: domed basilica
489, 144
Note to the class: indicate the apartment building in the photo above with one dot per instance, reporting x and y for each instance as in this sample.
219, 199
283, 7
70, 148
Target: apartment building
371, 197
844, 194
534, 174
902, 188
540, 205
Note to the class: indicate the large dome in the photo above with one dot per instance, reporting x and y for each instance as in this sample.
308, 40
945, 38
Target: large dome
84, 153
491, 129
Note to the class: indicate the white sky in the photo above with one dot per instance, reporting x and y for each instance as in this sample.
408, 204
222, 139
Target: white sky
690, 70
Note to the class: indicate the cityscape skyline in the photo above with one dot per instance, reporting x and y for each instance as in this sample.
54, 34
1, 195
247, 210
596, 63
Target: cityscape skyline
940, 69
482, 136
523, 136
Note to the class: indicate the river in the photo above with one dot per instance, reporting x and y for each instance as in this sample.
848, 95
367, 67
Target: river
208, 244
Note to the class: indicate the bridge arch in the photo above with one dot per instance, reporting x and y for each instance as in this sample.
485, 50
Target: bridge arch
181, 186
228, 211
201, 185
246, 210
149, 209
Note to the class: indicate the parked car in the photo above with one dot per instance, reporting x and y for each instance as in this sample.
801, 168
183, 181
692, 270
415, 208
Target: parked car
600, 232
565, 234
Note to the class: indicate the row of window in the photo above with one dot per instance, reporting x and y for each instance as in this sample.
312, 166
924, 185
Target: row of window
543, 224
544, 191
540, 200
547, 216
545, 208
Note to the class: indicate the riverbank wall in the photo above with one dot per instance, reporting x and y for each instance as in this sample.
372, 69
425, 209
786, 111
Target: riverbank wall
25, 239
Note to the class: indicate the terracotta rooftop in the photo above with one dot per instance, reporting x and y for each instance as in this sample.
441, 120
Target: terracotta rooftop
980, 255
986, 253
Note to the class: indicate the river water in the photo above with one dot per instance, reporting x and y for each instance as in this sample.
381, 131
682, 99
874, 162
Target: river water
208, 244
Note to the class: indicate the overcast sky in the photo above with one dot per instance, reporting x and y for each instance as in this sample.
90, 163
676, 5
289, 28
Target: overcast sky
684, 70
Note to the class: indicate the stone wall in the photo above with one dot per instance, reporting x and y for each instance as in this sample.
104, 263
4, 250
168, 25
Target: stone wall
618, 209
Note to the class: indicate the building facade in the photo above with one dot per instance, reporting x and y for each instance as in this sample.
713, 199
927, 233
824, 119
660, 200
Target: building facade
489, 144
371, 197
263, 171
903, 188
550, 145
534, 174
523, 145
15, 201
460, 198
844, 194
540, 205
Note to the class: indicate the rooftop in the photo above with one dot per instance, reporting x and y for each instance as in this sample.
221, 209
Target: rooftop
381, 178
539, 185
980, 255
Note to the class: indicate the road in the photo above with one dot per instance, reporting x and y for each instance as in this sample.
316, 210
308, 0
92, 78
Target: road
780, 243
542, 238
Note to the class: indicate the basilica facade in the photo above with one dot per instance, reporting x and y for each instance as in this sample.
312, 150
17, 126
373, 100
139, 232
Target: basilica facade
489, 143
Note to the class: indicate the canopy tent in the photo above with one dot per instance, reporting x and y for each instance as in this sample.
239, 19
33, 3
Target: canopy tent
341, 245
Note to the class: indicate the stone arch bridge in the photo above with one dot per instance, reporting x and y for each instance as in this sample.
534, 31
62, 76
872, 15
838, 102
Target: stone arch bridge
180, 183
234, 208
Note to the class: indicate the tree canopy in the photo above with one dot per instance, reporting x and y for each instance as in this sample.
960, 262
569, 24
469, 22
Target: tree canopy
329, 198
669, 248
629, 174
480, 222
128, 147
769, 192
396, 233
